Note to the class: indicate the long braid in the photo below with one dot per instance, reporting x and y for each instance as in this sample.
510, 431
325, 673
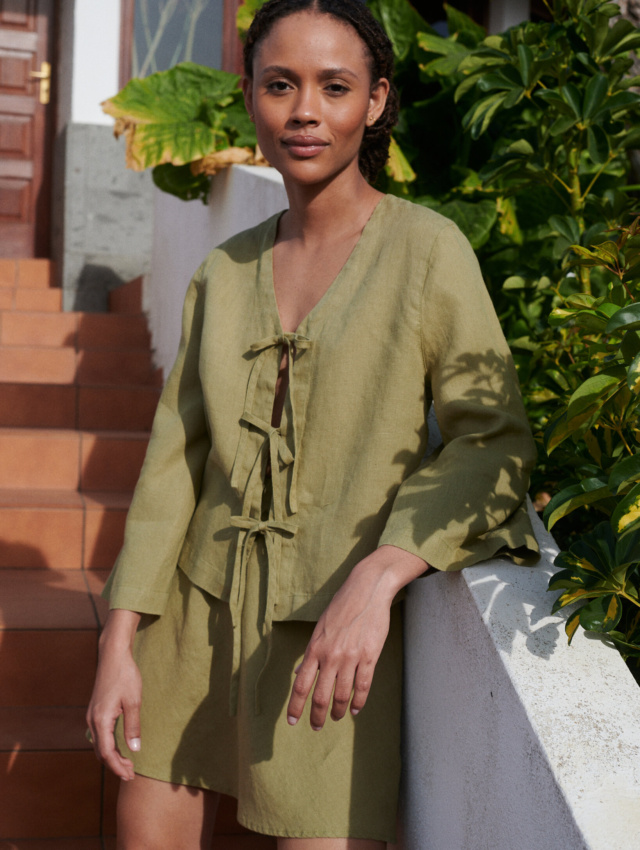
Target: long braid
374, 150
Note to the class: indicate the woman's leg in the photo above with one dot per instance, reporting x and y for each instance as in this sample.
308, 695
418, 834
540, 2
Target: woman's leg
155, 815
329, 844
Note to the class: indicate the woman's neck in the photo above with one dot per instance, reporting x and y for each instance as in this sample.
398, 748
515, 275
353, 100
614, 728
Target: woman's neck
323, 213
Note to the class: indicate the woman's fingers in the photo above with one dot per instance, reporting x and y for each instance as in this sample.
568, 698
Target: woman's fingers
102, 727
342, 693
131, 723
302, 685
321, 699
362, 686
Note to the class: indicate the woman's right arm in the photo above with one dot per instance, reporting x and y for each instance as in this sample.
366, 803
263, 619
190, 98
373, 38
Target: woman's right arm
117, 690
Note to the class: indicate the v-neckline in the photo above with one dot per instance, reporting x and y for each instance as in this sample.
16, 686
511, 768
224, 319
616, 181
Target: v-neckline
270, 277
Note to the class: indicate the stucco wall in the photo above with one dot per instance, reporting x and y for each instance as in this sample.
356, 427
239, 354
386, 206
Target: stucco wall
185, 232
514, 740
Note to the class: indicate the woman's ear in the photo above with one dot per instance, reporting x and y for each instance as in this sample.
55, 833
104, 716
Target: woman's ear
377, 100
247, 91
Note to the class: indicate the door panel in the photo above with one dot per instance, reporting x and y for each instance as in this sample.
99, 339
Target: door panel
25, 128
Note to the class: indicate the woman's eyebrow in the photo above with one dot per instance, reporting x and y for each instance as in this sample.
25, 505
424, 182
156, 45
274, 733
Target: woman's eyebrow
325, 74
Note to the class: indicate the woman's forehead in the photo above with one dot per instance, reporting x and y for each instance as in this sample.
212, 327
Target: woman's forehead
314, 39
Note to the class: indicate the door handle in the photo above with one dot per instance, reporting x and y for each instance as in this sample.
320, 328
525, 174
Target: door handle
44, 75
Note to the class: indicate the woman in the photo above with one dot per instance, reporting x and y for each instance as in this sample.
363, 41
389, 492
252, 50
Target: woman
285, 475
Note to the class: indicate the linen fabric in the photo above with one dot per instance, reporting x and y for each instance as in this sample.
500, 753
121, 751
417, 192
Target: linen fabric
289, 781
407, 320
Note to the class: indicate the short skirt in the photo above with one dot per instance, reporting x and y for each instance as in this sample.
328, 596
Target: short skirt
289, 781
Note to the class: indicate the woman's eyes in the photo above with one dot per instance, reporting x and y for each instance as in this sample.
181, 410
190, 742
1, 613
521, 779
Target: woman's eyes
284, 86
278, 86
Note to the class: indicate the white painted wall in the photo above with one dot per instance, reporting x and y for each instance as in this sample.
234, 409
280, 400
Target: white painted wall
96, 55
514, 740
507, 13
184, 233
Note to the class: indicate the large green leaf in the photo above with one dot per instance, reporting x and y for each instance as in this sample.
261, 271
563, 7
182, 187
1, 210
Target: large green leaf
475, 220
585, 492
173, 96
627, 318
633, 375
401, 23
179, 180
450, 51
594, 95
598, 144
178, 143
458, 22
625, 472
601, 614
626, 517
595, 390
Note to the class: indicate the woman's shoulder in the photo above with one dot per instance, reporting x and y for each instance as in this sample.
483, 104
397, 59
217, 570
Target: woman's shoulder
412, 221
244, 248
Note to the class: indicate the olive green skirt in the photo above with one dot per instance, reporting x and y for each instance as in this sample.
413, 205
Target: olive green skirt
289, 781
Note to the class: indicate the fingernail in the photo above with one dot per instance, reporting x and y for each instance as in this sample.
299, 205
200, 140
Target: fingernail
316, 728
291, 720
355, 711
298, 667
134, 745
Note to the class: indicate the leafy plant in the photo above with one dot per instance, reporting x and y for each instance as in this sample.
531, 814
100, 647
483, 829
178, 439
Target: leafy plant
599, 422
186, 123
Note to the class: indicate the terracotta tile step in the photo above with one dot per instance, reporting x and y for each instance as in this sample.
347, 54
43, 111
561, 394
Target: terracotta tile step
50, 599
50, 795
51, 459
47, 667
127, 298
102, 408
34, 274
61, 529
39, 365
56, 844
44, 728
23, 298
74, 330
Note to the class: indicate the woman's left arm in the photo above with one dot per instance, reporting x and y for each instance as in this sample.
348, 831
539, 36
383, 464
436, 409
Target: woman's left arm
348, 639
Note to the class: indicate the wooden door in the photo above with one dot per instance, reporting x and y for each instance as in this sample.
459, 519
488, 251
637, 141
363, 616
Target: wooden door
25, 127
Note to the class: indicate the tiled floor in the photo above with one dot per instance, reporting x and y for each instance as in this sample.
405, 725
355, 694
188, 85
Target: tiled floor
77, 397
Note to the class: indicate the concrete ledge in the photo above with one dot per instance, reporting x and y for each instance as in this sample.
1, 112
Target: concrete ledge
514, 740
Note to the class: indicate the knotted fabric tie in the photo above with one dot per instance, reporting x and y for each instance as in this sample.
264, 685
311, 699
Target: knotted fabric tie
252, 529
293, 342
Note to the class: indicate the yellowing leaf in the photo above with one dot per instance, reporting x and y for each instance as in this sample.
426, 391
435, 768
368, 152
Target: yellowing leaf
632, 515
572, 624
214, 162
398, 167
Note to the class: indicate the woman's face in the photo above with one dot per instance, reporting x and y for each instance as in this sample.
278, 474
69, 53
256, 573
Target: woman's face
312, 96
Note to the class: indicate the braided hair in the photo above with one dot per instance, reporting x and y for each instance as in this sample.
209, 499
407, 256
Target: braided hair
374, 150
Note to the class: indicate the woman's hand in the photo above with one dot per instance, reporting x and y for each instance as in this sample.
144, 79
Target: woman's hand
348, 639
117, 690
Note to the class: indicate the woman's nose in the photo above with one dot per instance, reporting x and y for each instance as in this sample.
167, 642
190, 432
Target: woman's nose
306, 108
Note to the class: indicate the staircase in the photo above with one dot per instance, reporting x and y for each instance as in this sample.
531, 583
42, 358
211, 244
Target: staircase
77, 397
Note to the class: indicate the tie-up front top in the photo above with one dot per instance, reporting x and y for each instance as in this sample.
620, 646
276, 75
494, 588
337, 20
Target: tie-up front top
407, 320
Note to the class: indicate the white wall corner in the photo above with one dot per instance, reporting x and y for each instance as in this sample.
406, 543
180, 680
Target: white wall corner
95, 60
513, 738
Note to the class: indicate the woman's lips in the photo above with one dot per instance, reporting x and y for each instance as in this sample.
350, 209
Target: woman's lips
305, 146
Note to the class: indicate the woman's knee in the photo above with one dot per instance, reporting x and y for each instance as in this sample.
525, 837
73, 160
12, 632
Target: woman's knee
156, 815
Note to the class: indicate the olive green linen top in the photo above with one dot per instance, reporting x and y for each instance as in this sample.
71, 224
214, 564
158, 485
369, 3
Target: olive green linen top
407, 320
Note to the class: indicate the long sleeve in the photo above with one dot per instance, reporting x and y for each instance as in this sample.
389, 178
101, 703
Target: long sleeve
169, 484
465, 503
